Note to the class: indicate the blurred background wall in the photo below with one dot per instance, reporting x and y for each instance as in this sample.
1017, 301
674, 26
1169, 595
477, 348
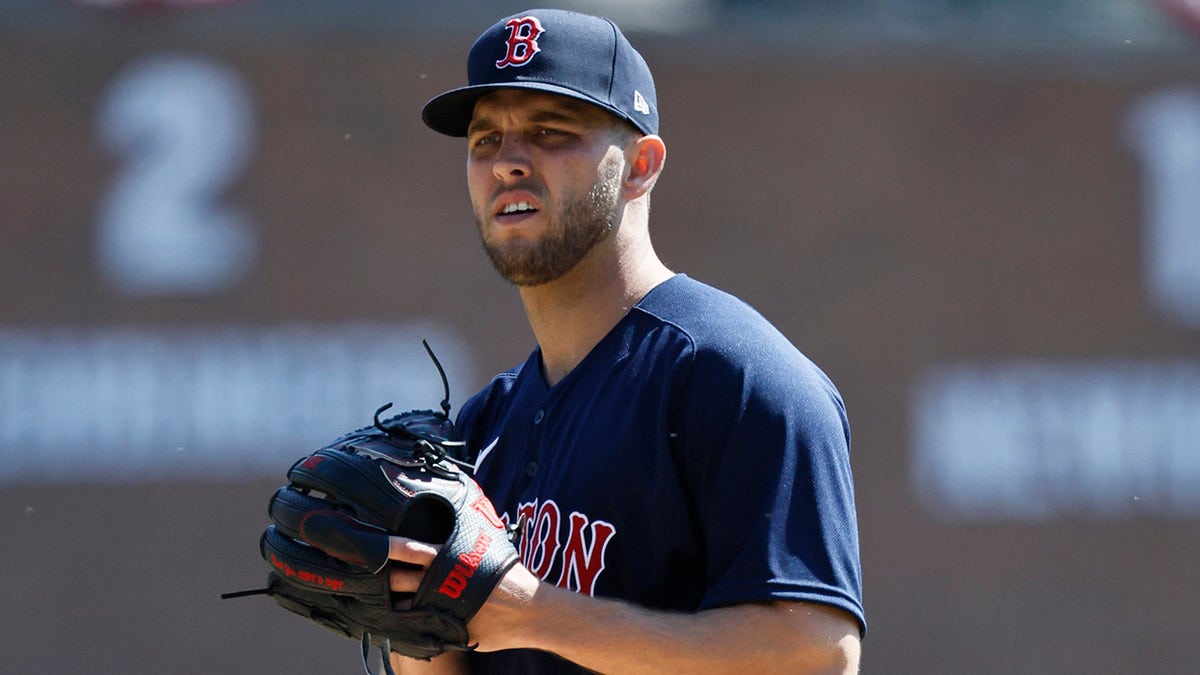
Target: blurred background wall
224, 232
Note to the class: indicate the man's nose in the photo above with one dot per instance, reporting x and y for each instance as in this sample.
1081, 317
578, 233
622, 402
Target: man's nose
512, 158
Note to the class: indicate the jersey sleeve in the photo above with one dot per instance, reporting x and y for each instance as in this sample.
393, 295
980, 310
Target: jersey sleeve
766, 441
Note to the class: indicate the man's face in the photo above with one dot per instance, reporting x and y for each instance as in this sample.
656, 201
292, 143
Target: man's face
544, 173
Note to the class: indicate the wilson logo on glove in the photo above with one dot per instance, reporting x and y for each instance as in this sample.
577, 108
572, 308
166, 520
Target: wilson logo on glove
484, 506
456, 581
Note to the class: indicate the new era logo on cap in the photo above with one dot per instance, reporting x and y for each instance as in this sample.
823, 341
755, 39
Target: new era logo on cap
640, 104
555, 51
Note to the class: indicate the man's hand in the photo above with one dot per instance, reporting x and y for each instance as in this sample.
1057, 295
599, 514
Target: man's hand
497, 625
605, 635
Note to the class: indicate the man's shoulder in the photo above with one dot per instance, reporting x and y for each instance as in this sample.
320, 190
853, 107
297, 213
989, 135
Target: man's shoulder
685, 301
730, 338
712, 319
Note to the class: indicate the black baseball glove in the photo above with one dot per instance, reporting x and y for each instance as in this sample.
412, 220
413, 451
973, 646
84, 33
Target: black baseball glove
328, 543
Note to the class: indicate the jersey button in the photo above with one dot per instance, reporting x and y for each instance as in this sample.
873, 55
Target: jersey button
538, 416
531, 469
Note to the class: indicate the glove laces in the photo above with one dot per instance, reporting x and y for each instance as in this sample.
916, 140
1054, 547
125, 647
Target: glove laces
385, 649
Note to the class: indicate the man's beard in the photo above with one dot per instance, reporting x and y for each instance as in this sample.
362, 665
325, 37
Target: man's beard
583, 222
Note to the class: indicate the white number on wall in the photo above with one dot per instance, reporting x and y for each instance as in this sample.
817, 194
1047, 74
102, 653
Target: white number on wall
1163, 129
183, 129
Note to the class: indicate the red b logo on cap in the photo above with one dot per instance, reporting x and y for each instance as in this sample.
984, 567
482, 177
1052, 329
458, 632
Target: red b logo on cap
522, 41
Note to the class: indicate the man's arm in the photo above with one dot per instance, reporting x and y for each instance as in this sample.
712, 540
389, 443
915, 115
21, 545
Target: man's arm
617, 637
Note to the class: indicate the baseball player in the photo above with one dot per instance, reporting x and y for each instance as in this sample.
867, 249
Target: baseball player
679, 469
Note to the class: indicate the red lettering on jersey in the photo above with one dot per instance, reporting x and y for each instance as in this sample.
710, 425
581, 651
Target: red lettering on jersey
522, 41
583, 561
540, 541
579, 563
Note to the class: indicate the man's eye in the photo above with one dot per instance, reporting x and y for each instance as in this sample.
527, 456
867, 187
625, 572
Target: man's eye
489, 139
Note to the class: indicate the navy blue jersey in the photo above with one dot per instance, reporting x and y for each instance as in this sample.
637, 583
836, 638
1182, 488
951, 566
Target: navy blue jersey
695, 458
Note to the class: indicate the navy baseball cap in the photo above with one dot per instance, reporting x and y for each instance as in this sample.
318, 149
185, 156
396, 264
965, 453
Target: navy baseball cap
556, 51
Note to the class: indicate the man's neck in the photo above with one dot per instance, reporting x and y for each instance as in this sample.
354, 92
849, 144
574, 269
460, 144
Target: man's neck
569, 316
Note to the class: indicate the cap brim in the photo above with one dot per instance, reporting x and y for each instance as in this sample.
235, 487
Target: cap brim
450, 113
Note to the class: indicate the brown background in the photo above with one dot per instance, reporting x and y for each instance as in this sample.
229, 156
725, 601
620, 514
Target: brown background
888, 213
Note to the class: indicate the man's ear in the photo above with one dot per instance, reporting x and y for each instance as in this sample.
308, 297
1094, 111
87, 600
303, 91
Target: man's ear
646, 156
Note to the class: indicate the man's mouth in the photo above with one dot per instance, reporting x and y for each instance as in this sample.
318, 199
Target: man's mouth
518, 207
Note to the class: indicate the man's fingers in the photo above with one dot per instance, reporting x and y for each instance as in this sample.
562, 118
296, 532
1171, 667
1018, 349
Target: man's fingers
416, 556
413, 552
405, 580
